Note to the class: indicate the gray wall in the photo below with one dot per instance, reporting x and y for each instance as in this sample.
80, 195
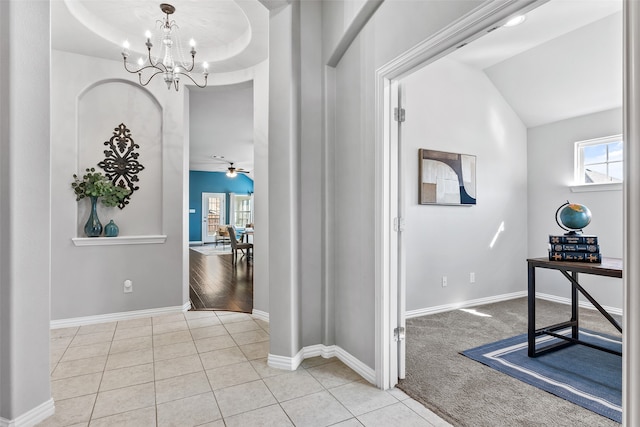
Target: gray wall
284, 182
296, 179
394, 28
453, 107
348, 293
221, 122
95, 275
24, 208
261, 187
550, 173
311, 175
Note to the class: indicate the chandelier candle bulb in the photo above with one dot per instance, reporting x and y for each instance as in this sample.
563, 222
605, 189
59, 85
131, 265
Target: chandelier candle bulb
125, 49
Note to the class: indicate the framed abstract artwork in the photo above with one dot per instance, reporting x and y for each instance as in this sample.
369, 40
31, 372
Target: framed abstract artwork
446, 178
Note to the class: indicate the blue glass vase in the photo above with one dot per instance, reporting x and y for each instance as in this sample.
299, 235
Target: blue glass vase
93, 227
111, 229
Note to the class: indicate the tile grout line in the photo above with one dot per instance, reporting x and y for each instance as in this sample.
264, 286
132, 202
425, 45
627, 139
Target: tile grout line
411, 409
65, 349
215, 399
104, 368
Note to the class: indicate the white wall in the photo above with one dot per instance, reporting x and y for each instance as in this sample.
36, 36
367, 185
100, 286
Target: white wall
94, 275
550, 173
453, 107
395, 27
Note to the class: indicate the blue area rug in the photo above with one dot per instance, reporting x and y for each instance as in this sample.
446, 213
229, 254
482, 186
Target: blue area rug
587, 377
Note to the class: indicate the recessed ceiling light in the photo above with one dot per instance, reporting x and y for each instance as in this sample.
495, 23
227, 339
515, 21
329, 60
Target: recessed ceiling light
217, 157
516, 20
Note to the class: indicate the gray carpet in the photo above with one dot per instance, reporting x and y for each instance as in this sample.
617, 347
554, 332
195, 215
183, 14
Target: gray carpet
467, 393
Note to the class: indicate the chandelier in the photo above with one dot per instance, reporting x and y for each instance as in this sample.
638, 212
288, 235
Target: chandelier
170, 68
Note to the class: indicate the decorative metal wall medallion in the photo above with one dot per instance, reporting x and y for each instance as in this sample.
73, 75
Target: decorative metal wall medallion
121, 163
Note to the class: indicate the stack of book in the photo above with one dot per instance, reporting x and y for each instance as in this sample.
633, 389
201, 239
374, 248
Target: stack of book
580, 247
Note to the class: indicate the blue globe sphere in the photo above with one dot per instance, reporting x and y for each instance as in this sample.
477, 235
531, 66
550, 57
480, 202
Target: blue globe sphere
574, 216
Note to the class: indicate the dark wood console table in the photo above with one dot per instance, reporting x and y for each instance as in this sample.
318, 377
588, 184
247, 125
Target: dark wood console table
610, 267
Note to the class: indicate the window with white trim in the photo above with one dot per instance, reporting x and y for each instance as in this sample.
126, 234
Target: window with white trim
599, 161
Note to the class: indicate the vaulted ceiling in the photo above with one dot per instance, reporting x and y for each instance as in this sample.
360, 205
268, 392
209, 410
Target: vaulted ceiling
564, 61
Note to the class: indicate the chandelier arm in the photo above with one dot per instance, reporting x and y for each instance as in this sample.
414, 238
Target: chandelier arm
160, 67
194, 82
151, 59
146, 67
193, 63
149, 79
127, 68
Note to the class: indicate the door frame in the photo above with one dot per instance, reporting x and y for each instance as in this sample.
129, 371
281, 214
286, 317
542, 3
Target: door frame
389, 310
205, 209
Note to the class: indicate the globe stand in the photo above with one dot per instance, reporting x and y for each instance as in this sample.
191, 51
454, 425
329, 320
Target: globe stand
572, 231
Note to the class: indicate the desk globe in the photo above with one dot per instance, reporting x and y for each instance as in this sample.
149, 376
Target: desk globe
573, 217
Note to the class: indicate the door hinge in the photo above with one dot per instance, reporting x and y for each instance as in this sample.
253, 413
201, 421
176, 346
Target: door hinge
398, 334
398, 114
398, 224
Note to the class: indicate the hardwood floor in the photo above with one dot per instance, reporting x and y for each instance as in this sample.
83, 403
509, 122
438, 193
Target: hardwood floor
216, 284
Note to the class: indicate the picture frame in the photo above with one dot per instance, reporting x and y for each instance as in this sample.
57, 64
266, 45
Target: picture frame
446, 178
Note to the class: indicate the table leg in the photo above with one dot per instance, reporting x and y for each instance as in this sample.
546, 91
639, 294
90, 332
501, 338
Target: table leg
574, 306
531, 306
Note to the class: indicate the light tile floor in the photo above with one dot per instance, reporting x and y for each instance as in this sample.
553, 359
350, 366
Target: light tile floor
207, 369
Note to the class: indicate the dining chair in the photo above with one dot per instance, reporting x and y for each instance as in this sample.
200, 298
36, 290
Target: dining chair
237, 246
221, 235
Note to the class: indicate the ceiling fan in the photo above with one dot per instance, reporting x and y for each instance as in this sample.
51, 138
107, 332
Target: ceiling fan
233, 171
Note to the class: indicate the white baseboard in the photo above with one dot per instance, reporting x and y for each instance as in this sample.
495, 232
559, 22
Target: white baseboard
360, 368
195, 243
262, 315
284, 362
31, 418
113, 317
325, 351
292, 363
464, 304
583, 304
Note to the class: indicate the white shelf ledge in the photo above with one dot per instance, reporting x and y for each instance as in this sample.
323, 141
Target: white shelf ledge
121, 240
606, 186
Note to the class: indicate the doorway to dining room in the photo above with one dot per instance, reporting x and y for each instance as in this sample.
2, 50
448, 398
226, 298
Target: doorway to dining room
221, 134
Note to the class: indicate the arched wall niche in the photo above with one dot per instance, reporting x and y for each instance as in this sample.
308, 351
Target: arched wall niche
101, 108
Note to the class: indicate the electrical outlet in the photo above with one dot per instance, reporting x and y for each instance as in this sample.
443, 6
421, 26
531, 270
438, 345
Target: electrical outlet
444, 281
472, 277
128, 286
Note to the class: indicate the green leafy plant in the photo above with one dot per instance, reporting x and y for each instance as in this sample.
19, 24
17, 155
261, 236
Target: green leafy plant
95, 184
